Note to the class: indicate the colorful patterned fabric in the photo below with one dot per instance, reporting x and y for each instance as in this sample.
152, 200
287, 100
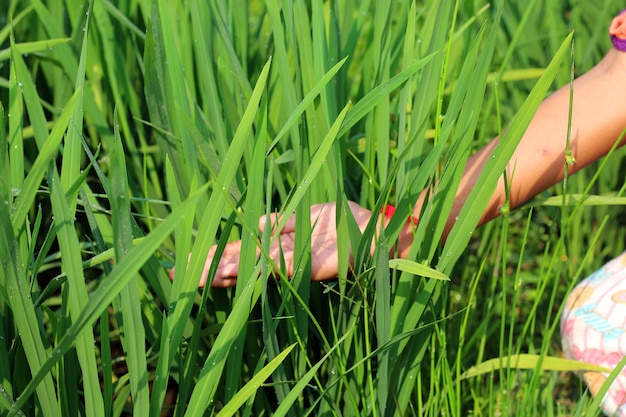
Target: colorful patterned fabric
593, 330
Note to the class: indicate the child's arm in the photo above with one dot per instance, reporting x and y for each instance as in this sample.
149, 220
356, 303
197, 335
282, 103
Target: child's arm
598, 121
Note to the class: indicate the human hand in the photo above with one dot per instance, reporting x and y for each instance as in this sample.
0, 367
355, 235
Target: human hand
324, 254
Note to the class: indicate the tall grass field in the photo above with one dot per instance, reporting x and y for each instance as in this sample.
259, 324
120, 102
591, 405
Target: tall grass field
136, 132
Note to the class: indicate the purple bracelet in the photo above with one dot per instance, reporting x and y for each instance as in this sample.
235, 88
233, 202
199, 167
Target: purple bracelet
619, 43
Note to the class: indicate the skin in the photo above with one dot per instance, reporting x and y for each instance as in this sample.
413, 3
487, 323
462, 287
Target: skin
598, 121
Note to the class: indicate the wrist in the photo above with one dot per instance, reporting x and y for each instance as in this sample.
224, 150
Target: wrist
405, 238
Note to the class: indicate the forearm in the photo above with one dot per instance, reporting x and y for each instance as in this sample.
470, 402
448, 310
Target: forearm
598, 120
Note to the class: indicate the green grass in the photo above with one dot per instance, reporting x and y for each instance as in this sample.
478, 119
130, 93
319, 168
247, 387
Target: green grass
136, 132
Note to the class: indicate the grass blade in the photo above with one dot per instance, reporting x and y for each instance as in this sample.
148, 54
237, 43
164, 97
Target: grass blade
134, 335
253, 385
12, 278
414, 268
532, 362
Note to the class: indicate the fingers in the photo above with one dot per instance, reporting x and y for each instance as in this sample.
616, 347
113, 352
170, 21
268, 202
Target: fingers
274, 219
281, 250
317, 210
227, 279
227, 269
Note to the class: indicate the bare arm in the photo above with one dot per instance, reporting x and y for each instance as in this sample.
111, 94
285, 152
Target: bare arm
598, 120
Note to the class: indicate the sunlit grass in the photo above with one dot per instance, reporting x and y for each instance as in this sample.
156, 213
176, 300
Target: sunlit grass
134, 133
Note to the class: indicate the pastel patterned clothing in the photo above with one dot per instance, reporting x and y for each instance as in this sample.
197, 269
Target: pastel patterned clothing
593, 330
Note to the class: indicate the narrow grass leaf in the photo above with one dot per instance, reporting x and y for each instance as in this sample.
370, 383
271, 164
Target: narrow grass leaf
71, 160
367, 103
123, 18
134, 335
286, 405
178, 99
15, 20
6, 199
71, 262
24, 315
415, 268
46, 154
106, 363
47, 144
32, 47
157, 91
5, 400
306, 102
16, 132
67, 58
516, 75
580, 199
383, 322
532, 362
211, 373
253, 385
